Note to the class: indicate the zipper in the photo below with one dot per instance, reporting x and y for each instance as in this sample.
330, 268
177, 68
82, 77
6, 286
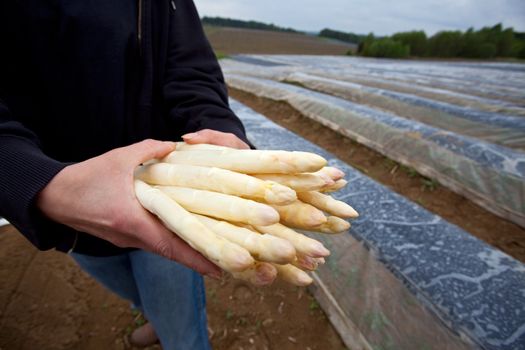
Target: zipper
71, 250
139, 27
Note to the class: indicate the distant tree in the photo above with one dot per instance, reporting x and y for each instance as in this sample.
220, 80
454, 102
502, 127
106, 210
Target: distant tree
416, 40
347, 37
386, 48
506, 43
445, 44
365, 43
237, 23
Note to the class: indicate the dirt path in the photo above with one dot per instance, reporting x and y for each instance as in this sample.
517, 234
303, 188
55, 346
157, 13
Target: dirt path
454, 208
47, 302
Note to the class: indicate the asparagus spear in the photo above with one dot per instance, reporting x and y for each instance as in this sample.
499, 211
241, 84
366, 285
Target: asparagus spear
227, 255
297, 182
303, 244
215, 179
261, 247
328, 204
251, 161
222, 206
293, 275
300, 215
261, 274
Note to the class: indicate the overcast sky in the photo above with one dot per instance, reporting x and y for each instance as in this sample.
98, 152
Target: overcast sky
382, 17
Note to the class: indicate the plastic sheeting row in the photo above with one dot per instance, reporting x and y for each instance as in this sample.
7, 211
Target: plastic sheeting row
489, 174
492, 120
499, 83
404, 278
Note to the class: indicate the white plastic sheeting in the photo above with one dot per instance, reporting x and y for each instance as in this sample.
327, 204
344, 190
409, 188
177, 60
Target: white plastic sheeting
489, 174
404, 278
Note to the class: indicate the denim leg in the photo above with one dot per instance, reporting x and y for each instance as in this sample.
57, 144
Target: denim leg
173, 300
113, 272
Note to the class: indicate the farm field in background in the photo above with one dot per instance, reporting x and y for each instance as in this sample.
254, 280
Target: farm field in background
228, 41
461, 124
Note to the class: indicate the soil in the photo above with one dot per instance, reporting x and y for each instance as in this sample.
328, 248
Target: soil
47, 302
500, 233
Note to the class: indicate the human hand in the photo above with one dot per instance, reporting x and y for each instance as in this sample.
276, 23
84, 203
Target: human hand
97, 196
214, 137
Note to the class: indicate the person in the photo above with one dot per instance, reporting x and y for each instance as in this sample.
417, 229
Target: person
88, 91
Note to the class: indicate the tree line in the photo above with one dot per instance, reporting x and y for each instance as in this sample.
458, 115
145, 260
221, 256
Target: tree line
237, 23
488, 42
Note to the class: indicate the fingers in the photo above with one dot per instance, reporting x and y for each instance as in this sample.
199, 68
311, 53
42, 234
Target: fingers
143, 151
214, 137
159, 240
173, 248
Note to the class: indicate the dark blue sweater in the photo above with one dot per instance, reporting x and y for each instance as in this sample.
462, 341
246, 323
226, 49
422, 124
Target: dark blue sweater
81, 77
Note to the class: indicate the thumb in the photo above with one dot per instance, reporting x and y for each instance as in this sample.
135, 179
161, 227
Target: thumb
143, 151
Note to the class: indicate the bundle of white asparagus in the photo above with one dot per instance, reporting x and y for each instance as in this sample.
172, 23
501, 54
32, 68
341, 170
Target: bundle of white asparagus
239, 208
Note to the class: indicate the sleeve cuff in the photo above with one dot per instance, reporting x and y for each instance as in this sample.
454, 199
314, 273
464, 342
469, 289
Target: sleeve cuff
25, 170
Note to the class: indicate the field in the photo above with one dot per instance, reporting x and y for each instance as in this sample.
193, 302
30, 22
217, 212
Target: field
229, 41
505, 235
399, 110
48, 303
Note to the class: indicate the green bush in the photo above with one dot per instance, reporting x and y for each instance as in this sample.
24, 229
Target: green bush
486, 50
386, 48
445, 44
416, 40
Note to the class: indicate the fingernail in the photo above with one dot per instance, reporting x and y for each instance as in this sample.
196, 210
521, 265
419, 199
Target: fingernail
189, 136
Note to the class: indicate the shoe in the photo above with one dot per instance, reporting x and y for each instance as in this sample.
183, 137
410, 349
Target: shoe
143, 336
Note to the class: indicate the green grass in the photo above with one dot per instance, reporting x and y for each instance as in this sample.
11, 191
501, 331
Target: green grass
429, 184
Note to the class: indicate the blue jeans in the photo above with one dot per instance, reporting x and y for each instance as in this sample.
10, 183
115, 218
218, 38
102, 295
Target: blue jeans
170, 295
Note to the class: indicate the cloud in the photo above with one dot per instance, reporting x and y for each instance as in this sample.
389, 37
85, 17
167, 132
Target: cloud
379, 16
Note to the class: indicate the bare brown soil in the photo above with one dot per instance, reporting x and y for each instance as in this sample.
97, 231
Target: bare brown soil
47, 302
506, 236
236, 40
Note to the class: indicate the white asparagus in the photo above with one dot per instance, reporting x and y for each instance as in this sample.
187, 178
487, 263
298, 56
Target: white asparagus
328, 204
261, 274
183, 146
262, 247
335, 187
300, 215
293, 275
326, 178
298, 182
227, 255
332, 172
303, 244
251, 161
222, 206
215, 179
305, 262
333, 225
